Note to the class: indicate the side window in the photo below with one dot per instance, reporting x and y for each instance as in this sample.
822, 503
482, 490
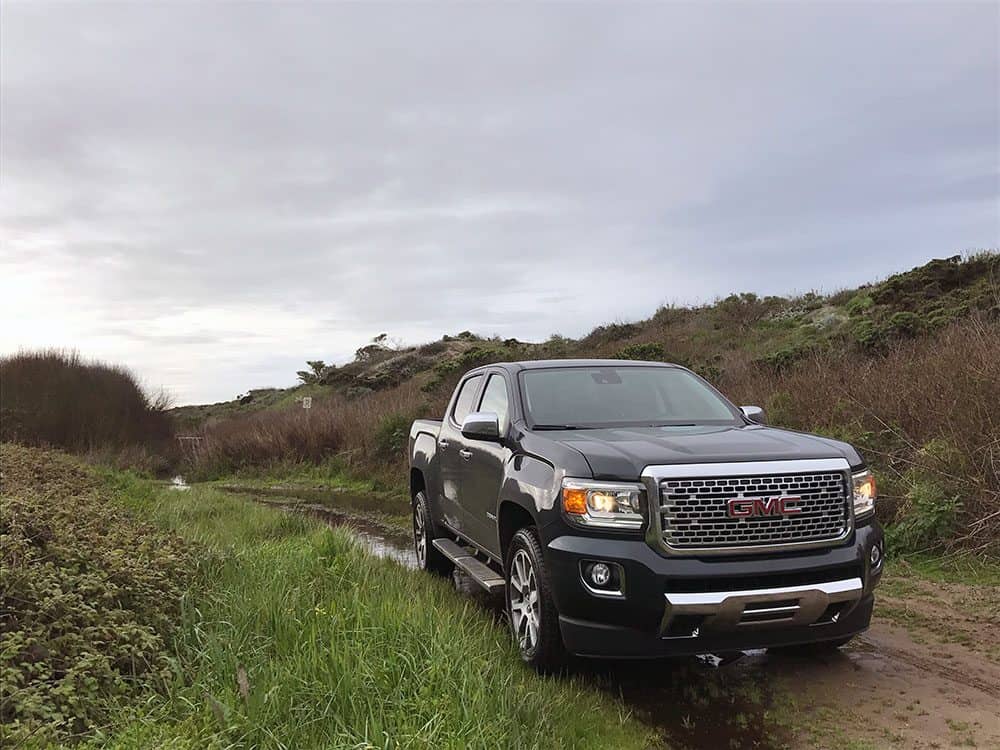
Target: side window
463, 404
495, 399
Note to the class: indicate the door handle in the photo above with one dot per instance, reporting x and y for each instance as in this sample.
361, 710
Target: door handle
443, 443
465, 454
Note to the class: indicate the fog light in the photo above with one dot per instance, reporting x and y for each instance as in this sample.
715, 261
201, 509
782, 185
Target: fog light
876, 556
600, 574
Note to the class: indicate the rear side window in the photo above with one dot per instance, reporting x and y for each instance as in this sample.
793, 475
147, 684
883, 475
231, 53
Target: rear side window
463, 404
495, 399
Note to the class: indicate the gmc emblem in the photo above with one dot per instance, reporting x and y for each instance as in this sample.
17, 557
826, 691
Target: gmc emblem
747, 507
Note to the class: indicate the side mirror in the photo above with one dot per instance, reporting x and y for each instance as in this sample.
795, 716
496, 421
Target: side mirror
754, 414
482, 425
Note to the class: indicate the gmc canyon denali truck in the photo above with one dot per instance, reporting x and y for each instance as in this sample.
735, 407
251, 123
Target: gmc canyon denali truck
627, 509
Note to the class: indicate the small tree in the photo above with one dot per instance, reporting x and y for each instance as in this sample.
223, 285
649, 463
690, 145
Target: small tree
379, 347
317, 368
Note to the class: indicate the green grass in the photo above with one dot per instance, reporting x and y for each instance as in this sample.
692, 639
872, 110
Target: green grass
331, 473
952, 569
340, 649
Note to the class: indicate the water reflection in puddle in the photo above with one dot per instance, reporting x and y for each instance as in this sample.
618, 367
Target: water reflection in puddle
178, 484
376, 538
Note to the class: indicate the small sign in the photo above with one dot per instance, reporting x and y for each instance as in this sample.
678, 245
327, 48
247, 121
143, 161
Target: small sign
307, 402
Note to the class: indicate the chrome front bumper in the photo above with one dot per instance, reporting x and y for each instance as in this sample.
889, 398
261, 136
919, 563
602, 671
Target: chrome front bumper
687, 614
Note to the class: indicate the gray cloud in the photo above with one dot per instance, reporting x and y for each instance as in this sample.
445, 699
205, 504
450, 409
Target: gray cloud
214, 193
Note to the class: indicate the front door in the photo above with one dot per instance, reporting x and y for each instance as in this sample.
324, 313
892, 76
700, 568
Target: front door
485, 468
453, 456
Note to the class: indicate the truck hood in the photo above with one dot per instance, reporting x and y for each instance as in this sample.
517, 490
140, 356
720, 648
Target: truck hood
623, 452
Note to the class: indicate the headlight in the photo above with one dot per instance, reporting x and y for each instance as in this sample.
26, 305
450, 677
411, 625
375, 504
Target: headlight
610, 505
864, 494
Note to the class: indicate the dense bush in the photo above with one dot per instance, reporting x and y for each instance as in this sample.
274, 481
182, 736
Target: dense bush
651, 352
88, 598
392, 435
56, 398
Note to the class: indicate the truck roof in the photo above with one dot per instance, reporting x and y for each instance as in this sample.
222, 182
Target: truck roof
536, 364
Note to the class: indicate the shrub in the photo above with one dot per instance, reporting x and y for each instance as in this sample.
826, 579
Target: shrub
905, 324
393, 434
741, 311
88, 601
651, 352
56, 398
788, 355
928, 517
474, 356
868, 335
613, 332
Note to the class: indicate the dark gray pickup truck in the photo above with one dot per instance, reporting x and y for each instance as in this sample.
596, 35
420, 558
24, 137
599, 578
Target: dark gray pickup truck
627, 509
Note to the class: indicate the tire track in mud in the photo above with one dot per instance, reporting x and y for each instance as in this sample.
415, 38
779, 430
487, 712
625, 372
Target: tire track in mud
929, 664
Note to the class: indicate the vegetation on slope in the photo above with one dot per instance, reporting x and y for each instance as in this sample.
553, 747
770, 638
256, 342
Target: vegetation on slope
88, 598
905, 368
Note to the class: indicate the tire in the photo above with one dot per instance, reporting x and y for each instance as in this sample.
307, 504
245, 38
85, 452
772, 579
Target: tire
424, 534
534, 620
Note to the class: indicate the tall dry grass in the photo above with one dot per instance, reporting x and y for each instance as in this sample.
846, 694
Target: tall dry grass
928, 410
925, 410
57, 398
348, 429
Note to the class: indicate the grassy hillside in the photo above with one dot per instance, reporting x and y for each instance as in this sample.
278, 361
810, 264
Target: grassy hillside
717, 340
902, 367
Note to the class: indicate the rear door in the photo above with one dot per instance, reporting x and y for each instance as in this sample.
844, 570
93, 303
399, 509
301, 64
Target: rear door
452, 453
485, 467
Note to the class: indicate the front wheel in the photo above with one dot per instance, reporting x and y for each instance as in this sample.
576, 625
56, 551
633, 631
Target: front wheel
533, 616
428, 556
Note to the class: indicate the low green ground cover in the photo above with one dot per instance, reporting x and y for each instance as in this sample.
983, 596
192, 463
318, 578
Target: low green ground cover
89, 595
294, 637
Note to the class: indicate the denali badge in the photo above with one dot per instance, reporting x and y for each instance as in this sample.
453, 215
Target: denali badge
745, 507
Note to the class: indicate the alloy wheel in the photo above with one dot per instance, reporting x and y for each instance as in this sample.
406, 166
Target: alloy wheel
419, 536
524, 605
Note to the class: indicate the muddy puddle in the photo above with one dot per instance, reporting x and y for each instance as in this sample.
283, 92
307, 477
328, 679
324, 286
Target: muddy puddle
342, 501
379, 539
883, 688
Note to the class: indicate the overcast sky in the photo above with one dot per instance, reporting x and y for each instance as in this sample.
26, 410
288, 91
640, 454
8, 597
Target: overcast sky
214, 193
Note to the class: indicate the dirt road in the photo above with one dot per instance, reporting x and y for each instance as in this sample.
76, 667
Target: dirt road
926, 675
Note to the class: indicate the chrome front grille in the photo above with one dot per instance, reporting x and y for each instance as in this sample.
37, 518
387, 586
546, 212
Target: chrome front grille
695, 515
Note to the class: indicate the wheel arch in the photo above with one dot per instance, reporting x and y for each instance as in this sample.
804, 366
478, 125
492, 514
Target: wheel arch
511, 517
417, 483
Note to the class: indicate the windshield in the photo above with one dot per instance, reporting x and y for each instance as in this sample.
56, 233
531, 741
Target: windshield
627, 396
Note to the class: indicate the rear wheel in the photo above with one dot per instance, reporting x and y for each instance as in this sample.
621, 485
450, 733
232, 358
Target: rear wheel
533, 616
428, 556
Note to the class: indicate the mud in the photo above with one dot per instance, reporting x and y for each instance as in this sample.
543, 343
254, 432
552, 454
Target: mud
885, 689
378, 538
334, 499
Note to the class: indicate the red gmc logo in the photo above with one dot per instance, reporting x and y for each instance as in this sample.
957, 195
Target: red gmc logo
747, 507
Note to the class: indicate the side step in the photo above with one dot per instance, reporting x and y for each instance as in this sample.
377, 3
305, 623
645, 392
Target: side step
481, 573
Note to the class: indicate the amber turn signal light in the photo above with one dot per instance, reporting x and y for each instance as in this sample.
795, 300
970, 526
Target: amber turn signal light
574, 500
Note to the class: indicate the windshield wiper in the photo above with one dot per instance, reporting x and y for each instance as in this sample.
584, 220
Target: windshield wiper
559, 427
